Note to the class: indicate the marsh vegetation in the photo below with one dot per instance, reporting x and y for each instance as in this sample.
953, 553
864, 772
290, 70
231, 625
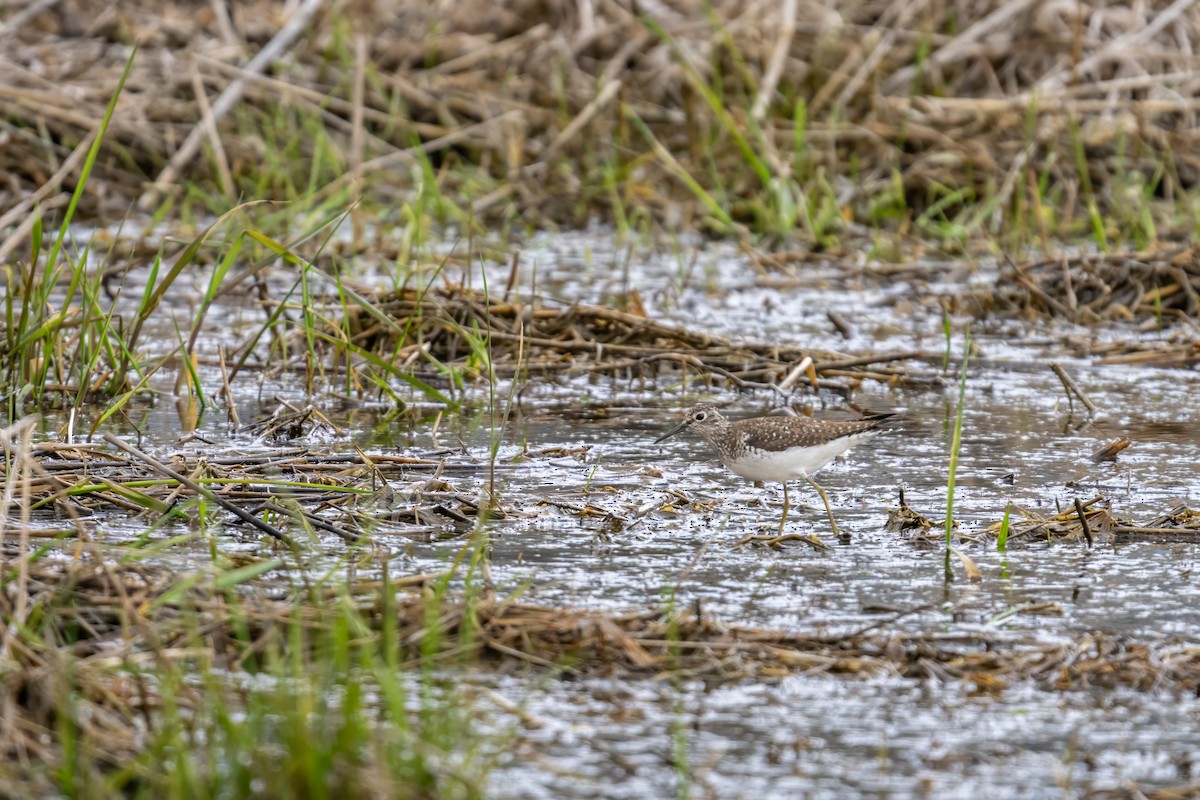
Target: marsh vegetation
336, 336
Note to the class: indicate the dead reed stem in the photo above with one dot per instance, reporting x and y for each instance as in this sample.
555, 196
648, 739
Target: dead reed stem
538, 95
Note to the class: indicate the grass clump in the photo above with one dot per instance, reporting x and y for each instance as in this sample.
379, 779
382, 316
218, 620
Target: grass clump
124, 680
828, 122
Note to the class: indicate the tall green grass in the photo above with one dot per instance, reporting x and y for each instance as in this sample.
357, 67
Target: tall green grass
955, 448
322, 700
36, 362
1002, 537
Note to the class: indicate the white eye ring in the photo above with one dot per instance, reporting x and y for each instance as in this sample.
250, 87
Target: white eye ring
700, 416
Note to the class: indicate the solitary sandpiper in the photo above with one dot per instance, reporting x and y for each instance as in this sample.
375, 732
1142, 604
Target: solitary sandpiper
778, 448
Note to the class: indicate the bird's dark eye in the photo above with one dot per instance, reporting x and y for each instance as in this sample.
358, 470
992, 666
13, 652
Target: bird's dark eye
700, 416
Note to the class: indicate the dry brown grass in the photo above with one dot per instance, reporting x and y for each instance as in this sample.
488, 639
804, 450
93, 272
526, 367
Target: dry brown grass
542, 94
1095, 288
534, 338
100, 598
112, 631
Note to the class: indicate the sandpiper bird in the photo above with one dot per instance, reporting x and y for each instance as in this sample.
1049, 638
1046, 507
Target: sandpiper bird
778, 448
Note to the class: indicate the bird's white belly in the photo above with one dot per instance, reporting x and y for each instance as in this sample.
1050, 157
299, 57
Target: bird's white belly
767, 465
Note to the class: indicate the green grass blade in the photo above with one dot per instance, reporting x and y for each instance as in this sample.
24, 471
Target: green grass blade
1002, 539
227, 580
955, 446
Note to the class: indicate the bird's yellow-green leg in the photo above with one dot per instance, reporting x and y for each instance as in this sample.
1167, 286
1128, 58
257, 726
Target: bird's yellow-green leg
825, 498
786, 506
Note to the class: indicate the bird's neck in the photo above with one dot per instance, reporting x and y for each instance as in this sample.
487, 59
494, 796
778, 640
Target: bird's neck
715, 432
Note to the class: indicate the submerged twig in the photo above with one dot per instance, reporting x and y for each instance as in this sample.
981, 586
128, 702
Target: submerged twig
1109, 451
1072, 388
208, 494
1083, 523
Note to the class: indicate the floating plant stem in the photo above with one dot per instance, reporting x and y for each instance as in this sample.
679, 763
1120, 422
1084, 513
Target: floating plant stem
955, 446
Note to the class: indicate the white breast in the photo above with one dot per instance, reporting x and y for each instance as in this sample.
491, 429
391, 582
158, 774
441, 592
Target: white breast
765, 465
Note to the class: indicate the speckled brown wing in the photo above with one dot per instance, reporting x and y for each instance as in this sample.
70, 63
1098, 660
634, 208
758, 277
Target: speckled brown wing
779, 433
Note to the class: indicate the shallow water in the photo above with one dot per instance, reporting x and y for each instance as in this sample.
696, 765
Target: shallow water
820, 736
816, 736
662, 522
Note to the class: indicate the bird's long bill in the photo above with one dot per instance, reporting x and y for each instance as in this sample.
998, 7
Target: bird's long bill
680, 427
